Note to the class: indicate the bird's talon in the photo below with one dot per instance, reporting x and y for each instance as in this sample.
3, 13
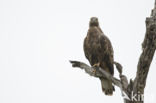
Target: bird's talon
94, 71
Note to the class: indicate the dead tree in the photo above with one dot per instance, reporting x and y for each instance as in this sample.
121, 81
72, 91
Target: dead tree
133, 90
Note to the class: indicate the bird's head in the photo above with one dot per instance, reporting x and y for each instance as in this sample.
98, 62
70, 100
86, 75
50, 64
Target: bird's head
93, 21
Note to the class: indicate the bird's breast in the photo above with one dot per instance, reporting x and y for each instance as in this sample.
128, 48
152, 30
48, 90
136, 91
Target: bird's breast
94, 44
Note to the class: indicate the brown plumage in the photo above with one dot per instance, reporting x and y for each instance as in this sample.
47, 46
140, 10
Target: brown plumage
99, 52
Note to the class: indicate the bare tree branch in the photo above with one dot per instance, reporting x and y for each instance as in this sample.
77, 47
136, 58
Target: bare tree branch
122, 84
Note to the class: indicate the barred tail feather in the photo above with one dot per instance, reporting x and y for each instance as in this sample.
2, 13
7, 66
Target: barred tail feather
107, 86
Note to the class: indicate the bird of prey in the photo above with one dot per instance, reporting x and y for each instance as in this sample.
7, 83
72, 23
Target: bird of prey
99, 52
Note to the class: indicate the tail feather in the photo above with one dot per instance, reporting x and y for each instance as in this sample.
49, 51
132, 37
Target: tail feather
107, 86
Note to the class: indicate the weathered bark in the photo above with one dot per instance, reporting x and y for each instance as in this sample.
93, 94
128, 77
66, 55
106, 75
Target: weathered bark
137, 85
148, 50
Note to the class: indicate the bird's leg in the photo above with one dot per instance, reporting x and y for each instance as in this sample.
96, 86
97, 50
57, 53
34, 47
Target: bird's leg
95, 66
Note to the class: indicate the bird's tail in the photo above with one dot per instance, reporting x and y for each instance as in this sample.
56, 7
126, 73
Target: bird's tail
107, 86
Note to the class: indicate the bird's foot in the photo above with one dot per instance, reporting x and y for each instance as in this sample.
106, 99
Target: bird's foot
95, 66
94, 71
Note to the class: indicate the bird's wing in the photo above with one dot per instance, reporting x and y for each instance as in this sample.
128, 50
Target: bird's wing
107, 50
85, 48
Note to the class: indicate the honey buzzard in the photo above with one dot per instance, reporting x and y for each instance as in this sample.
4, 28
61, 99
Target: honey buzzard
99, 52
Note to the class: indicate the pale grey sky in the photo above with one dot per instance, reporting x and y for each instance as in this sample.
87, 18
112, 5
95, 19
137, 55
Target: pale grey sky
38, 37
